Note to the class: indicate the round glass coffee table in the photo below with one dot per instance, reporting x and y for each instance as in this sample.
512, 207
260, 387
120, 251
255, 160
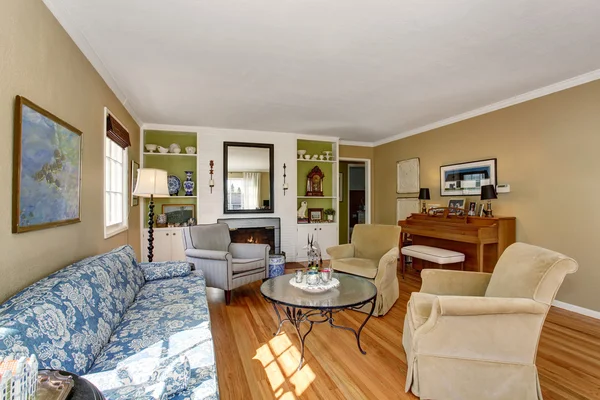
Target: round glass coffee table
296, 306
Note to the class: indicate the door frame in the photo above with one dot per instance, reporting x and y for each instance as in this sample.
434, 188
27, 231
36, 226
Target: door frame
368, 188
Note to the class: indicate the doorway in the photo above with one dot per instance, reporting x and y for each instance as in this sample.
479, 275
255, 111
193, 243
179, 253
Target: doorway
355, 196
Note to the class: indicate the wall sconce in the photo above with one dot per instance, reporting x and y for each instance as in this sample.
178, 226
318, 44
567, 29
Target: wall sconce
285, 185
211, 182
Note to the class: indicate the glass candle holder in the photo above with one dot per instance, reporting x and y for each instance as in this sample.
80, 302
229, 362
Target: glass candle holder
299, 274
312, 278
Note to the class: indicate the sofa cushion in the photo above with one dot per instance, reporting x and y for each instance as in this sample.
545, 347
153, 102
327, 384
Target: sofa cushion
356, 266
239, 265
67, 318
165, 270
169, 318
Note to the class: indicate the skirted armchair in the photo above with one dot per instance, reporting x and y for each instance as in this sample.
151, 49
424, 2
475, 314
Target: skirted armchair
225, 265
471, 335
373, 254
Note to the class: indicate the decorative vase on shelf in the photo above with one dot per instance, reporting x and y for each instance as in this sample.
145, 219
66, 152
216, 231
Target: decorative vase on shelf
188, 185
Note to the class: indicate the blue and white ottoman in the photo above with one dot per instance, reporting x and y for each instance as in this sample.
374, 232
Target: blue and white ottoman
276, 265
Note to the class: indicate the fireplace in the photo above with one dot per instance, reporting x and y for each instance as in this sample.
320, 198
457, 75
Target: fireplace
255, 230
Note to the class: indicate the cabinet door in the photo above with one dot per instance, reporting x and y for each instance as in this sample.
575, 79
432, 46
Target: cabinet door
162, 245
303, 233
177, 251
328, 237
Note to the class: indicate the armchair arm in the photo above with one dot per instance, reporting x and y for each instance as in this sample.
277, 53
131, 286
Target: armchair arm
470, 306
341, 251
456, 283
249, 250
387, 269
207, 254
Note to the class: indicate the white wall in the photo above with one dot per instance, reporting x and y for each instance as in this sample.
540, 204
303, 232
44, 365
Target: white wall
210, 206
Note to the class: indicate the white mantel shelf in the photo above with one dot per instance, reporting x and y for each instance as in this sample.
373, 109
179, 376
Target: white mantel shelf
317, 197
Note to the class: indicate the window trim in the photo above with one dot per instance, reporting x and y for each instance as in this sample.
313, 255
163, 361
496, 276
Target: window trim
115, 229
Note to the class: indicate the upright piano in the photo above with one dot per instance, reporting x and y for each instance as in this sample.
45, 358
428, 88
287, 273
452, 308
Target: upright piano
481, 239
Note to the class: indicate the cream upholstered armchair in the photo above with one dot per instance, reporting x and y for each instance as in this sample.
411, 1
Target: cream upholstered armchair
470, 335
225, 265
373, 254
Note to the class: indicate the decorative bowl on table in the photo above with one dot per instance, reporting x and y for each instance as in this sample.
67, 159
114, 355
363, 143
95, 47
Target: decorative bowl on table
174, 184
321, 287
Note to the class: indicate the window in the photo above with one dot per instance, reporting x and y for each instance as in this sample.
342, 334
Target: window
115, 182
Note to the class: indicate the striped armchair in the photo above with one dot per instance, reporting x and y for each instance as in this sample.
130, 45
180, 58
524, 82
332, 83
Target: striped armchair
225, 265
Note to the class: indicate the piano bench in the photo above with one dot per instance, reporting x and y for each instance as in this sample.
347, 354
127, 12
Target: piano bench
432, 254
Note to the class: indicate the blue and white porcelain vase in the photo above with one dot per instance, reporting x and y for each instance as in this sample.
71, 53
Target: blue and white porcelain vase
188, 185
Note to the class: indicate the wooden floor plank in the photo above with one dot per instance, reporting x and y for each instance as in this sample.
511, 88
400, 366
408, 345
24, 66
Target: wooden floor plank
254, 364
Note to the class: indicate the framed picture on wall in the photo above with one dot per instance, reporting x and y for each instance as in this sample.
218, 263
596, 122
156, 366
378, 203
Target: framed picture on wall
466, 179
405, 207
46, 169
407, 176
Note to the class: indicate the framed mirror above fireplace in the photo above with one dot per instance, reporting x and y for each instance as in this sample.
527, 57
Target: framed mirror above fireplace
248, 178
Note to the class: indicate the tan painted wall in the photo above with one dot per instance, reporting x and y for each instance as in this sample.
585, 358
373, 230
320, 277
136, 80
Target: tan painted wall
548, 150
40, 61
368, 153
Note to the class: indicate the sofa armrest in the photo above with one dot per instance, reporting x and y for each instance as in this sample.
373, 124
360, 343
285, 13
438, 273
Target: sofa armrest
249, 250
341, 251
387, 269
454, 283
165, 270
207, 254
471, 306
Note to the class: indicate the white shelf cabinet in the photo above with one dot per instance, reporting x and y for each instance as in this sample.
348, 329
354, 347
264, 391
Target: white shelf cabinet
325, 234
168, 244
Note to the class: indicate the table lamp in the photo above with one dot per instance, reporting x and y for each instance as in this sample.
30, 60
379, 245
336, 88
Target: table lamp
151, 183
424, 195
488, 192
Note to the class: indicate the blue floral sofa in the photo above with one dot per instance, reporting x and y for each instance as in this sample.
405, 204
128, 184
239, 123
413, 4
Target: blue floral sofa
136, 330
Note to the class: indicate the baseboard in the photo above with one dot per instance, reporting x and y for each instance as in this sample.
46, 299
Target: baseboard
576, 309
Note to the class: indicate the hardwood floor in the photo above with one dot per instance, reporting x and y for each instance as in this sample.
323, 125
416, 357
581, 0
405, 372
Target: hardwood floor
253, 364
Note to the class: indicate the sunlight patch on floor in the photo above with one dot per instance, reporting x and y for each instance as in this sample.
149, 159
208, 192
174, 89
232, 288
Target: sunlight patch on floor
280, 358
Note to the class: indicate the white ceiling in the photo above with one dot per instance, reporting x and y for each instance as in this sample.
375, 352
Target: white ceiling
360, 70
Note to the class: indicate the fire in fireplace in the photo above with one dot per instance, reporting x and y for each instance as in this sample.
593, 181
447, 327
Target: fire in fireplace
262, 235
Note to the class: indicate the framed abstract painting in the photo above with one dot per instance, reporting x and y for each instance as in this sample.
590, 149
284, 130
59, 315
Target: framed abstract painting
407, 176
46, 169
466, 179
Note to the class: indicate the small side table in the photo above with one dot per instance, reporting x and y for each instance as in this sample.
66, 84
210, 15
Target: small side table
82, 389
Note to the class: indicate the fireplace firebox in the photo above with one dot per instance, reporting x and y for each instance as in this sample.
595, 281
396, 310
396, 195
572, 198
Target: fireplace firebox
255, 230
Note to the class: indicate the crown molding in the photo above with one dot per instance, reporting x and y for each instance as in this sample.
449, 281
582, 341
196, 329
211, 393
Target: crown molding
356, 143
64, 18
534, 94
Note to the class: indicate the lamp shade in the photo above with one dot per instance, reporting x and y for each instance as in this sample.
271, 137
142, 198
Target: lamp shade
488, 192
151, 182
424, 194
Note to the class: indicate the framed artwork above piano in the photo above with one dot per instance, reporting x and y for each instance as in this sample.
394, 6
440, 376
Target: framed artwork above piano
481, 240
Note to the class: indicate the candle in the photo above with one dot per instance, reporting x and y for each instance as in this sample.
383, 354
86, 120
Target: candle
285, 185
211, 183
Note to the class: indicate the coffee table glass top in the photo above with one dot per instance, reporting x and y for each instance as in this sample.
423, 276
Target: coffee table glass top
353, 290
